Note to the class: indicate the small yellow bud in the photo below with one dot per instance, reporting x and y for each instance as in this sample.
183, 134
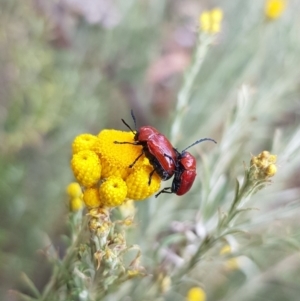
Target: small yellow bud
263, 166
94, 224
119, 240
127, 222
86, 167
138, 183
210, 21
271, 170
113, 191
196, 294
74, 190
205, 21
225, 250
91, 198
165, 284
133, 273
217, 14
264, 155
83, 142
232, 264
104, 229
272, 159
274, 8
109, 255
76, 204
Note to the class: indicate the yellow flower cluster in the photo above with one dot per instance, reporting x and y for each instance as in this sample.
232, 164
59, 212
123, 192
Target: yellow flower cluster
274, 8
263, 165
101, 167
75, 196
210, 21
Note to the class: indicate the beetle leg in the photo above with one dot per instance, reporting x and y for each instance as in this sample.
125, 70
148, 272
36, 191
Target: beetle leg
150, 176
131, 165
165, 190
125, 142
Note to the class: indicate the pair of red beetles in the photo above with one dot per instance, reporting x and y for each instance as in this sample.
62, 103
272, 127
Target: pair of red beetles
165, 159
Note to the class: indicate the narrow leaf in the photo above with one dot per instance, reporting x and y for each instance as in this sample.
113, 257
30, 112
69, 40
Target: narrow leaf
30, 285
21, 296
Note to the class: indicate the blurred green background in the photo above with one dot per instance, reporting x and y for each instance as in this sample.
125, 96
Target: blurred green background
72, 66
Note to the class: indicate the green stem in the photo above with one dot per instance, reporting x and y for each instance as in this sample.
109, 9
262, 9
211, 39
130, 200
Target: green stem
189, 79
206, 244
59, 276
219, 232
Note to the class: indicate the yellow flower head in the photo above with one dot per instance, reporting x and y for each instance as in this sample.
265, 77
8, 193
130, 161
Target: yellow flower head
100, 164
263, 166
83, 142
116, 158
91, 198
138, 182
210, 21
196, 294
86, 167
274, 8
112, 191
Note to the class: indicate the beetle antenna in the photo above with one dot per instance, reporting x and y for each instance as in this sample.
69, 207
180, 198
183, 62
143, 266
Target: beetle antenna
133, 117
198, 141
128, 126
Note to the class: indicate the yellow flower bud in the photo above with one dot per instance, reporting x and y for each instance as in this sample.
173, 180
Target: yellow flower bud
113, 191
274, 8
210, 21
76, 204
263, 166
86, 167
74, 190
94, 224
226, 249
271, 170
196, 294
137, 183
83, 142
91, 198
231, 263
263, 155
272, 159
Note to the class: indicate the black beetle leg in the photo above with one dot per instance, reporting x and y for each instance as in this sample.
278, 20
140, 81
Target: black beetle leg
150, 176
165, 190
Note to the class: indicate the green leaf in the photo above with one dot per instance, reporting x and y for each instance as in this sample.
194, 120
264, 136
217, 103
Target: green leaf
21, 296
236, 197
30, 285
233, 231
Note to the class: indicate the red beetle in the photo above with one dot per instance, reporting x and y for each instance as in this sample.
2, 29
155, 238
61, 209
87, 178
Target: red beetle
156, 147
185, 171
